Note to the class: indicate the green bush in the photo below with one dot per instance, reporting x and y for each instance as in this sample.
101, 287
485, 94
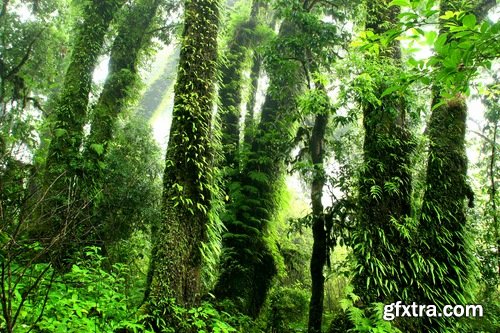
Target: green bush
85, 299
207, 318
366, 319
89, 298
490, 322
340, 323
287, 310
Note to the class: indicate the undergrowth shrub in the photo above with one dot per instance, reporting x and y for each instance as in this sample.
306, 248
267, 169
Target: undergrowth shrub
88, 298
85, 299
490, 322
287, 310
367, 319
206, 318
93, 297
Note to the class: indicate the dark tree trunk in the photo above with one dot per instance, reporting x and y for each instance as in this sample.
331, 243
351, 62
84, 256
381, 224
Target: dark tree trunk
189, 167
493, 190
320, 249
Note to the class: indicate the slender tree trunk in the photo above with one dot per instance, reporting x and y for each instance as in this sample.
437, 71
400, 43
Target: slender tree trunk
255, 73
249, 131
493, 193
189, 169
320, 247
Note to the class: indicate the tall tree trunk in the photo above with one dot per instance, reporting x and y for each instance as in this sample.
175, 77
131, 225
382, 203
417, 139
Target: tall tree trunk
320, 246
443, 232
133, 36
493, 179
249, 130
248, 265
120, 85
385, 184
444, 238
188, 178
63, 163
443, 216
70, 113
231, 89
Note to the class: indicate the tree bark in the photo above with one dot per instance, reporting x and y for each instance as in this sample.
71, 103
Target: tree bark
493, 192
482, 7
231, 89
444, 238
188, 178
71, 110
249, 131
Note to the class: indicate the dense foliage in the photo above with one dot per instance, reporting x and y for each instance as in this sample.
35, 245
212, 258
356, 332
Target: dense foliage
324, 160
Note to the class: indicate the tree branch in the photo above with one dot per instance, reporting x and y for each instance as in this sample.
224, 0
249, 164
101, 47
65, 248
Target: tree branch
491, 142
45, 300
25, 58
4, 8
482, 8
25, 295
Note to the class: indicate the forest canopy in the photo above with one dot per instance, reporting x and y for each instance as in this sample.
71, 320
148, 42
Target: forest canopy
253, 166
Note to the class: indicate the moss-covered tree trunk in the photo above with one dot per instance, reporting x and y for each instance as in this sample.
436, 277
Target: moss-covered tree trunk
231, 90
249, 130
385, 183
248, 265
63, 164
493, 118
121, 83
119, 89
189, 164
70, 113
443, 233
445, 239
444, 242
